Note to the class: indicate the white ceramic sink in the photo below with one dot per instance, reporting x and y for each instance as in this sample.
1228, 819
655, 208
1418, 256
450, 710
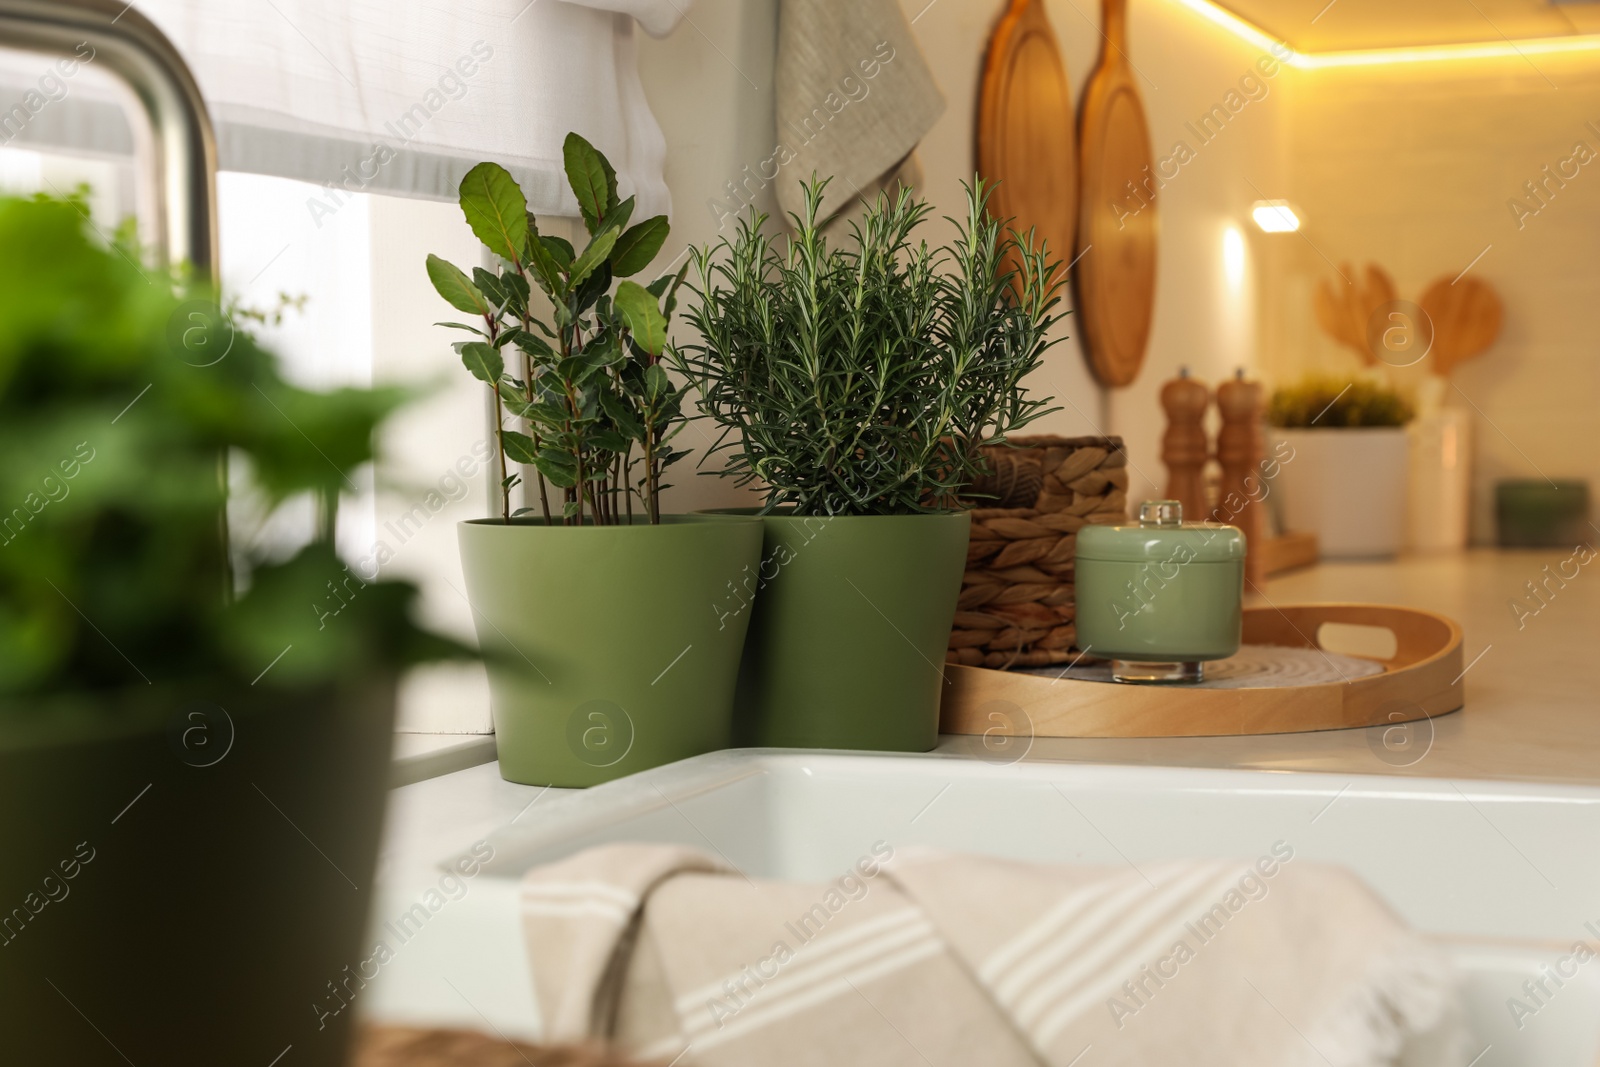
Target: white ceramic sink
1506, 875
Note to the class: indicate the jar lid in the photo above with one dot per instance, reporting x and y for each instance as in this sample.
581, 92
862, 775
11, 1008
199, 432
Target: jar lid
1160, 534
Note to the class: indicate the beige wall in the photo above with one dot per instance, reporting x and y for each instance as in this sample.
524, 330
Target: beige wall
710, 86
1410, 166
1413, 167
699, 82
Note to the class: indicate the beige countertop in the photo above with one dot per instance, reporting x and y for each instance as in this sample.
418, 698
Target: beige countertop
1532, 683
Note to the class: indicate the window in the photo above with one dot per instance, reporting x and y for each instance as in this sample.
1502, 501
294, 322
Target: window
367, 318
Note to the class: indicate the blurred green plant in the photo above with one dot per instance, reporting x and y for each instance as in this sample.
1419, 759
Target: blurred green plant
1338, 403
860, 380
122, 394
591, 388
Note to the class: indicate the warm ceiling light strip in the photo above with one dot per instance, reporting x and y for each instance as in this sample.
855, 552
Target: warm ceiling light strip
1536, 46
1254, 35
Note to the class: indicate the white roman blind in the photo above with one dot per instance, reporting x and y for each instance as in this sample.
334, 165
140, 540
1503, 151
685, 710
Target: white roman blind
397, 96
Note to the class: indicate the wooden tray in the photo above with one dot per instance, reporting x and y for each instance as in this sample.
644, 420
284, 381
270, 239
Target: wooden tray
1421, 680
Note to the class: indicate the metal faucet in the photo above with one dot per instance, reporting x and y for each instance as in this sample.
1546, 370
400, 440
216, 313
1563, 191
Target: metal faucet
182, 156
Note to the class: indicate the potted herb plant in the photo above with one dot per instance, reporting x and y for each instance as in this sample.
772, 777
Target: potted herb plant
194, 750
608, 656
1347, 481
856, 382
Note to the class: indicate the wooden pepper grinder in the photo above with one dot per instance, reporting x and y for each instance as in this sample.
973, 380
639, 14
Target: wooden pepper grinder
1241, 450
1184, 447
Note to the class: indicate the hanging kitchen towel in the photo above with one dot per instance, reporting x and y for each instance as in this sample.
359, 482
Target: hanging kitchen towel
854, 97
1208, 964
723, 971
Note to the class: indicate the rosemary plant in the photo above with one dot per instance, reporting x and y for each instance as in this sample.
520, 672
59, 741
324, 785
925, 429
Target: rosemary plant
860, 380
587, 380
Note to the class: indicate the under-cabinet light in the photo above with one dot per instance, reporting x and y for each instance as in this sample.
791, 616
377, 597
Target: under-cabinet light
1275, 216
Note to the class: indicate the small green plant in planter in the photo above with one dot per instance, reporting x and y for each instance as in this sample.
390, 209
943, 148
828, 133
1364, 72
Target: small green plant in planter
611, 657
1338, 403
174, 713
1348, 477
856, 383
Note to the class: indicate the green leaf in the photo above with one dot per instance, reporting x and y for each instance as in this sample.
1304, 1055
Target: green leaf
456, 287
638, 246
644, 318
547, 270
617, 218
559, 467
610, 441
483, 360
489, 285
551, 414
592, 180
516, 286
560, 250
657, 382
531, 343
579, 369
617, 410
519, 447
597, 252
461, 326
672, 291
516, 403
593, 288
496, 210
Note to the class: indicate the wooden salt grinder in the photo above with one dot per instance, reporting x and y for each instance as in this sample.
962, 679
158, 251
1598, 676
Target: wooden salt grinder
1184, 448
1241, 450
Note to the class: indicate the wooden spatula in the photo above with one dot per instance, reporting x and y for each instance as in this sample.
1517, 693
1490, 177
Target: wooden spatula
1345, 306
1466, 315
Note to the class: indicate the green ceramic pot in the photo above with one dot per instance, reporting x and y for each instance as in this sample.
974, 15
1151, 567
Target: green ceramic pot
189, 867
607, 654
851, 621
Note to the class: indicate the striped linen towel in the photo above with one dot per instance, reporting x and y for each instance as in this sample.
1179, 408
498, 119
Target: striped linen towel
854, 95
934, 958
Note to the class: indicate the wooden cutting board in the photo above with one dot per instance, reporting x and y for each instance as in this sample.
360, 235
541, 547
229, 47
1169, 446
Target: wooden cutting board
1025, 136
1115, 278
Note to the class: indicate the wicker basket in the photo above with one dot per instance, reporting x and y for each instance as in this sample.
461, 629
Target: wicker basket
1016, 607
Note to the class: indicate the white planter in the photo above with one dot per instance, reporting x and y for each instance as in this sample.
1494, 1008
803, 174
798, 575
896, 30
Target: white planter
1441, 480
1347, 486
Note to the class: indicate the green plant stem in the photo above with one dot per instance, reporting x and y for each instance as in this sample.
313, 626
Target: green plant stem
627, 481
544, 499
505, 476
533, 432
651, 500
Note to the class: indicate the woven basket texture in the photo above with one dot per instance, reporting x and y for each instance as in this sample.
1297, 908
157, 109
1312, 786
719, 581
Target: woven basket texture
1016, 606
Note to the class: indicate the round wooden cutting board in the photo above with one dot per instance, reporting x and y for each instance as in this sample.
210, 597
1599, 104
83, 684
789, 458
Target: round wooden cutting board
1115, 277
1025, 135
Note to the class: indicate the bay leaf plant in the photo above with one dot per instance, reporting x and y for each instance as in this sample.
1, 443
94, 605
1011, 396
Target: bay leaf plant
860, 378
585, 378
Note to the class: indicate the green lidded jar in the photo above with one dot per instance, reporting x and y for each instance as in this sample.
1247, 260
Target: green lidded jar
1160, 598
